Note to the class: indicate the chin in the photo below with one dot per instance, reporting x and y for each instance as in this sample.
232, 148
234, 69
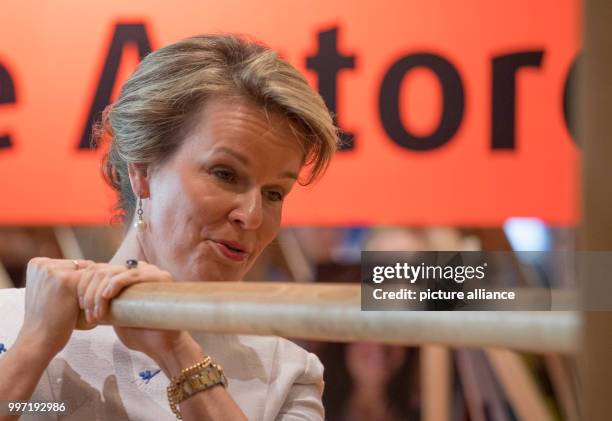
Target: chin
215, 273
207, 265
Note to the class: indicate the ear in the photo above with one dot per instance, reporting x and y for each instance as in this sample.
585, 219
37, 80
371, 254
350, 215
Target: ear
139, 179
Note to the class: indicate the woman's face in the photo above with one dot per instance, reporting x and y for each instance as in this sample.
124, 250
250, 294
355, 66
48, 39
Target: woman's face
373, 364
217, 202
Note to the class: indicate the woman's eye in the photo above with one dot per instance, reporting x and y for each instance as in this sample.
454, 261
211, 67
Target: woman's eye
224, 175
275, 196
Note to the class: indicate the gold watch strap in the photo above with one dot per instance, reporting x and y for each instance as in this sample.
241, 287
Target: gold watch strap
207, 377
194, 379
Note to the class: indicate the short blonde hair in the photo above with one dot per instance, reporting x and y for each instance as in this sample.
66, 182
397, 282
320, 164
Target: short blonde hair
156, 104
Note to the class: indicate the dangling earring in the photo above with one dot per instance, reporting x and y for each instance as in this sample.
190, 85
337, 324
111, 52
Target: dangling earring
140, 223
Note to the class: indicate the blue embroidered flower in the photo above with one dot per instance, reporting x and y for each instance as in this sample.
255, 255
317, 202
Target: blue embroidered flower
147, 375
2, 348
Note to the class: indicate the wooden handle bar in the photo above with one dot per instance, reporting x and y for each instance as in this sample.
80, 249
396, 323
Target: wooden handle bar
332, 312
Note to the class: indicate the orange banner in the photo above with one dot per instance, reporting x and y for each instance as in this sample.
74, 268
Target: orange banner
457, 113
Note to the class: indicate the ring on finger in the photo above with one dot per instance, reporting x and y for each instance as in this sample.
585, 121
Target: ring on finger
131, 263
76, 264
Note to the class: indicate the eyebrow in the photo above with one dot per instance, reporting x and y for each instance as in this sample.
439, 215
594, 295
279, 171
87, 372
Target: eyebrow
245, 161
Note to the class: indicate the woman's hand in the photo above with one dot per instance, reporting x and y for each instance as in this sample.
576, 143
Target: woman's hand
100, 283
172, 350
51, 307
51, 311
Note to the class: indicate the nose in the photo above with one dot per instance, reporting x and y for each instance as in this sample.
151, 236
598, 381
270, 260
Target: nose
248, 212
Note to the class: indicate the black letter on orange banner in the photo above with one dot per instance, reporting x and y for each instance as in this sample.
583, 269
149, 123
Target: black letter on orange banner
452, 109
569, 98
327, 62
7, 96
503, 120
124, 34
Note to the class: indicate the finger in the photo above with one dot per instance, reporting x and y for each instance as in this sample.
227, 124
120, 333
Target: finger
125, 279
120, 281
84, 280
101, 305
67, 264
90, 294
82, 323
82, 264
98, 284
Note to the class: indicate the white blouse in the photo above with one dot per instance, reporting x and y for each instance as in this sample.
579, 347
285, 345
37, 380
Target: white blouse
270, 378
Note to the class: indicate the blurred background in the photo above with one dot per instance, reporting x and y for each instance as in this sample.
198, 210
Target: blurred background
458, 134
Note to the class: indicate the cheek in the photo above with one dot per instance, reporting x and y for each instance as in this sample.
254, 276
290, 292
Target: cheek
194, 201
164, 194
271, 225
174, 209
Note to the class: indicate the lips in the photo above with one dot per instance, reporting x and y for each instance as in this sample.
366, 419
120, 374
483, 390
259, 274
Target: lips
234, 245
231, 250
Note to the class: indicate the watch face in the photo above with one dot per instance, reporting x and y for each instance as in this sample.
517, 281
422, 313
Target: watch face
203, 379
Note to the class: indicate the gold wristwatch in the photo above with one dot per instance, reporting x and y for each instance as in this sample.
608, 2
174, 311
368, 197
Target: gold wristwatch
194, 379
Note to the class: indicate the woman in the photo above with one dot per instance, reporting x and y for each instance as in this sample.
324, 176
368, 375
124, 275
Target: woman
369, 381
207, 138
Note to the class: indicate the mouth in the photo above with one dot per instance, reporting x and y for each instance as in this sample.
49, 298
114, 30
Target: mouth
231, 250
